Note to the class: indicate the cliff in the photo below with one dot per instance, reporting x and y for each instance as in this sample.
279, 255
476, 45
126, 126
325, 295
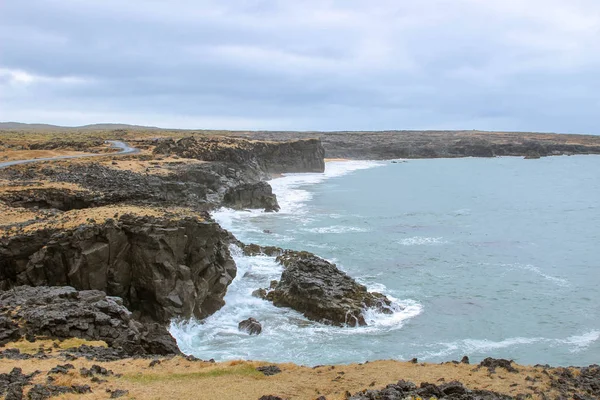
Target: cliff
162, 268
384, 145
304, 155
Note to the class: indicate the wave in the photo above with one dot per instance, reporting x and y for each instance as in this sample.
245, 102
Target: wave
420, 240
288, 188
292, 197
218, 337
575, 343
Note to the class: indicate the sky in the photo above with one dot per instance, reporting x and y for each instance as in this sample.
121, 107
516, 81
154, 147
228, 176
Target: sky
518, 65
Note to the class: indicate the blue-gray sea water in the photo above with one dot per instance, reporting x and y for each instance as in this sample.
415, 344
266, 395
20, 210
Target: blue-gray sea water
489, 257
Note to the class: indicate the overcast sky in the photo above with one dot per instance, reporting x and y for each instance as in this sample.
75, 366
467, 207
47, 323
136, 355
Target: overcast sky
530, 65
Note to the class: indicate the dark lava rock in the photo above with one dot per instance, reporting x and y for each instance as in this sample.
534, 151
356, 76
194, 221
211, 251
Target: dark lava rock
251, 326
61, 369
305, 155
464, 360
251, 195
14, 354
95, 353
42, 392
161, 268
154, 363
269, 370
63, 312
270, 397
408, 390
11, 384
319, 290
492, 363
115, 394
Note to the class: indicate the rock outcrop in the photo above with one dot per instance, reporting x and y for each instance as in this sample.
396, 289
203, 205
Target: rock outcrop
304, 155
319, 290
63, 312
251, 195
250, 326
408, 390
162, 268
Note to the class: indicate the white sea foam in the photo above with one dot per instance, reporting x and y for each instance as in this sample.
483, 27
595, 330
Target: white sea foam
218, 337
420, 241
289, 188
337, 229
292, 196
575, 344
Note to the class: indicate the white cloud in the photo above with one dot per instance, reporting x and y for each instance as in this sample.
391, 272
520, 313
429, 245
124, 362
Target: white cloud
334, 64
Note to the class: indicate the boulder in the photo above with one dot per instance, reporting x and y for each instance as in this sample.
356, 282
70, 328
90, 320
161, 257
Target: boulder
251, 326
63, 312
251, 195
319, 290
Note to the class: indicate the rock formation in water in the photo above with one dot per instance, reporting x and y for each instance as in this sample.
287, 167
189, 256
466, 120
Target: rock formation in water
319, 290
251, 195
250, 326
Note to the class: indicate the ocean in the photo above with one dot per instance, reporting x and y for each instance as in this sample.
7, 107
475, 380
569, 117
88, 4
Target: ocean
491, 257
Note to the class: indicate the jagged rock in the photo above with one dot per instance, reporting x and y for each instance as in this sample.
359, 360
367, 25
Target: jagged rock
408, 390
251, 195
319, 290
251, 326
42, 392
492, 363
115, 394
162, 268
96, 353
63, 312
269, 370
11, 384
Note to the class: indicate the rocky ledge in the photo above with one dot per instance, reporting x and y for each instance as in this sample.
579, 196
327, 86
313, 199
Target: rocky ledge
63, 312
319, 290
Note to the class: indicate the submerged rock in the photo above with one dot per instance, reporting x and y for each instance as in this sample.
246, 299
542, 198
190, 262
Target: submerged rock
319, 290
251, 326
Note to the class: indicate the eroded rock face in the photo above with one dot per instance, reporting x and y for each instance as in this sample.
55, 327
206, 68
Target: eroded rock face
63, 312
162, 268
306, 155
251, 195
319, 290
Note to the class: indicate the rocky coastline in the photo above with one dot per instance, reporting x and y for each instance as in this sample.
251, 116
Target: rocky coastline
109, 251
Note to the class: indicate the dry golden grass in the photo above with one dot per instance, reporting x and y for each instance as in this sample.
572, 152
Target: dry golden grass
37, 220
178, 378
153, 166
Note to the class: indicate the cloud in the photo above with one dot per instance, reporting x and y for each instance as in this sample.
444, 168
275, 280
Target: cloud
310, 65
